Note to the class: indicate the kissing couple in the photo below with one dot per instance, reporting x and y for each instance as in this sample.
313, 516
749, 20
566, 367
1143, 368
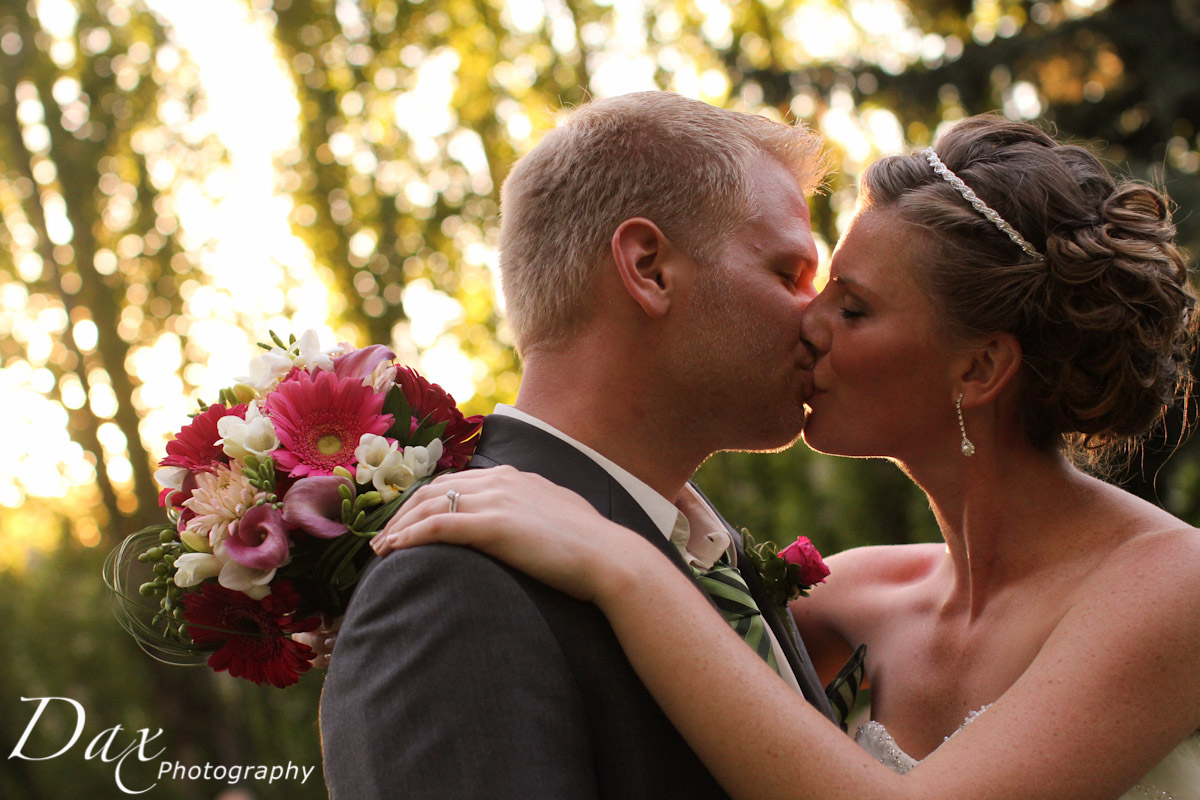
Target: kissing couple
998, 309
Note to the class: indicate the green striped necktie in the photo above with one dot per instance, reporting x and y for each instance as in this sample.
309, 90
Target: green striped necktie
729, 592
842, 691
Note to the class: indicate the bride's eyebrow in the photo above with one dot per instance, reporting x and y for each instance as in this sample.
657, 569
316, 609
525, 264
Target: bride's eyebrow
849, 284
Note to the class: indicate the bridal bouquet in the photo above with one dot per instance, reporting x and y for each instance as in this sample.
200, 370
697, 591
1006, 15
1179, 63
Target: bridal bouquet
270, 496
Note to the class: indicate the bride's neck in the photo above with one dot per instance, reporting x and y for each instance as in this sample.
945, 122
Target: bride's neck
1007, 516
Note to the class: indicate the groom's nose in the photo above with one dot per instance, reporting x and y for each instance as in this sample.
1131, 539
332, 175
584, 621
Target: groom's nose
808, 354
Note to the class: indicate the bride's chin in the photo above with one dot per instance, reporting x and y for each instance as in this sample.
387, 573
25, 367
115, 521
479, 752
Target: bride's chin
808, 443
822, 442
812, 440
831, 447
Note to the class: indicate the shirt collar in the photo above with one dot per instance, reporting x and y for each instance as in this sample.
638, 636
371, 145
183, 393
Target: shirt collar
699, 533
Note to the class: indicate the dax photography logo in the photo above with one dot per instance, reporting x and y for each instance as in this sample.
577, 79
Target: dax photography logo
115, 746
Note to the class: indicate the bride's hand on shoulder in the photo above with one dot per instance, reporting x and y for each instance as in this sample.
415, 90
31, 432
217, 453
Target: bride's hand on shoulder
524, 520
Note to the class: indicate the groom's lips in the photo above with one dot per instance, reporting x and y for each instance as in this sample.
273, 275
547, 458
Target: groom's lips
805, 375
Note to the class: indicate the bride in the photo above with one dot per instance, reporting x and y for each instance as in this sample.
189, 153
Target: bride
986, 348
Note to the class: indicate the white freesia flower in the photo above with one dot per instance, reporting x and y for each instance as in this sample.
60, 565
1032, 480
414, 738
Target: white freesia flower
393, 477
268, 369
171, 477
370, 454
402, 468
255, 435
254, 583
194, 568
423, 460
195, 542
307, 353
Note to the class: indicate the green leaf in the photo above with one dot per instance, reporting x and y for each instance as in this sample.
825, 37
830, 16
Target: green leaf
397, 405
425, 433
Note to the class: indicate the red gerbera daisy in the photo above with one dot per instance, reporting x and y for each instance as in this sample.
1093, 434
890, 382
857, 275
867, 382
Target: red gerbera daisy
319, 421
428, 400
251, 632
194, 447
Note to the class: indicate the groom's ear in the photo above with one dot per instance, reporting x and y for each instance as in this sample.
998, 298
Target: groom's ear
647, 263
989, 364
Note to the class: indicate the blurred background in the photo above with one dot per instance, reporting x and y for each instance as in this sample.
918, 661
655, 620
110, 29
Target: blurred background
178, 177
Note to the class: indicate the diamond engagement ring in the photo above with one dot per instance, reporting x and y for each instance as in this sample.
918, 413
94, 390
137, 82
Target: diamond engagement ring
453, 495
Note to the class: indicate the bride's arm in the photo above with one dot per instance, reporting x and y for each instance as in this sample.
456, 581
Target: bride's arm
1108, 696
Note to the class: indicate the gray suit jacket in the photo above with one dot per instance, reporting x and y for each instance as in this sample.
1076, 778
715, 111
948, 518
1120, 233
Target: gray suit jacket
458, 677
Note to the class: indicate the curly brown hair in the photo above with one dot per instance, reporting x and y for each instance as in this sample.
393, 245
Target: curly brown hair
1105, 321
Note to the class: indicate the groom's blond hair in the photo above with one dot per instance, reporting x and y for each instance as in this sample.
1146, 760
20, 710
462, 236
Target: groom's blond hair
680, 163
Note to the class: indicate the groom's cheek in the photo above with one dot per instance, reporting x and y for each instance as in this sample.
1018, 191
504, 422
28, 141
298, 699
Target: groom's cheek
805, 381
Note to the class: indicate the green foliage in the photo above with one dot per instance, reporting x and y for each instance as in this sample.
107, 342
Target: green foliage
783, 581
838, 503
65, 642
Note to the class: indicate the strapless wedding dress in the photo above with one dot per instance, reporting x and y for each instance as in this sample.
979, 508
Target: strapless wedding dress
1177, 777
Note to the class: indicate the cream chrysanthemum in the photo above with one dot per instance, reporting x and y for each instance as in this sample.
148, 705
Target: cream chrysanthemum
219, 499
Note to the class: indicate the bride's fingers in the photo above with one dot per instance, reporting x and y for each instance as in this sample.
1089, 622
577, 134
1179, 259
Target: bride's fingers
321, 640
461, 529
425, 504
533, 550
420, 504
423, 530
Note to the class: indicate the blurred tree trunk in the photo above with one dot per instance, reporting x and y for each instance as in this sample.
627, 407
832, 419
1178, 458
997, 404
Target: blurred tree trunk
72, 106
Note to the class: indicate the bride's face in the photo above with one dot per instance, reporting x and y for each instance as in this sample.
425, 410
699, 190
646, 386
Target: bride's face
883, 372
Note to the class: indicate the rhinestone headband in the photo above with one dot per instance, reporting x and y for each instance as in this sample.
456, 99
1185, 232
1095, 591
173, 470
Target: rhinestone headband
980, 206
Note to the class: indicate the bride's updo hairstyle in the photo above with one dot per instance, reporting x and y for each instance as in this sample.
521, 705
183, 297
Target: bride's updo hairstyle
1100, 304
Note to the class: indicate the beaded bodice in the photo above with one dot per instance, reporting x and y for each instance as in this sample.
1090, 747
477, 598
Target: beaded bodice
1177, 777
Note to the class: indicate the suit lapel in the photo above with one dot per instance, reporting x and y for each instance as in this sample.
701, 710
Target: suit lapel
506, 440
782, 625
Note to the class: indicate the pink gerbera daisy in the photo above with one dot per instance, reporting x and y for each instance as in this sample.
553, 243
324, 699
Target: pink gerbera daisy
319, 421
195, 447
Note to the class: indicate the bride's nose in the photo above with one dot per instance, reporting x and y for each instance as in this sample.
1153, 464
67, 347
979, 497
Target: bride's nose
814, 325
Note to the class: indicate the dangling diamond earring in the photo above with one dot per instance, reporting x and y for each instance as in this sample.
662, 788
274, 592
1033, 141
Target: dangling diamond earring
968, 449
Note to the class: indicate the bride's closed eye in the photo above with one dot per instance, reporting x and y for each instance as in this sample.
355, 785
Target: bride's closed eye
849, 313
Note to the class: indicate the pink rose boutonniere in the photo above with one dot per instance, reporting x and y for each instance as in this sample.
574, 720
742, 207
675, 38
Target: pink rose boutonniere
803, 553
788, 573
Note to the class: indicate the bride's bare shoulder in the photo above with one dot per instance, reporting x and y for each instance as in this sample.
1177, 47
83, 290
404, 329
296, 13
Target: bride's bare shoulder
1154, 547
1153, 555
884, 566
1144, 533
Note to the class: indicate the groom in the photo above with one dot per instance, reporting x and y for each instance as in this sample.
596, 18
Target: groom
656, 255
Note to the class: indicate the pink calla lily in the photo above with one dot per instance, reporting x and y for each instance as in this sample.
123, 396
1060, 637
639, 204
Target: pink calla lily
314, 505
362, 362
259, 540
